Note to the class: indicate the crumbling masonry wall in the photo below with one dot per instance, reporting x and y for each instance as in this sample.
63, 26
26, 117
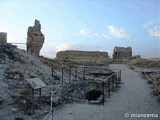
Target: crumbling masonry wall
122, 53
35, 38
84, 57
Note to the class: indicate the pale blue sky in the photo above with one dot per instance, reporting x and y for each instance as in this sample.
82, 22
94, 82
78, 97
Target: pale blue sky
86, 24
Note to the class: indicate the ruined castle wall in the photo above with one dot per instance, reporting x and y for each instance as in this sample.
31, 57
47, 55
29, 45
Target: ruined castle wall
121, 53
3, 37
84, 57
35, 38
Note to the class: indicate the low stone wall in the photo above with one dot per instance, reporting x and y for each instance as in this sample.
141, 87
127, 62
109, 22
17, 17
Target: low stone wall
84, 57
3, 37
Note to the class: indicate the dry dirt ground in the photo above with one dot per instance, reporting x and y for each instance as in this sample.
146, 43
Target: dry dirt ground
133, 98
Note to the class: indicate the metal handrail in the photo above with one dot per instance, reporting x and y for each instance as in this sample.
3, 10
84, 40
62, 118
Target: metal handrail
103, 86
110, 83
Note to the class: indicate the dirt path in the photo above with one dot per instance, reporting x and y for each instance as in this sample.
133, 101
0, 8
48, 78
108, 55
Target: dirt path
134, 97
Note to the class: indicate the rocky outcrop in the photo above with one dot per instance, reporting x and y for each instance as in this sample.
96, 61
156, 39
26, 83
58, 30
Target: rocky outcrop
83, 57
3, 37
35, 38
122, 53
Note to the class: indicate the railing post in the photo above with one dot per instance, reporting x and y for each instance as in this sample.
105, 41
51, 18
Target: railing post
116, 79
103, 91
32, 100
113, 83
84, 70
40, 95
52, 72
62, 76
120, 76
69, 75
76, 74
51, 96
108, 88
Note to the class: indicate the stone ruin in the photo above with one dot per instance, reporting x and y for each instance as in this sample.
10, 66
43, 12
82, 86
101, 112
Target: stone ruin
122, 53
35, 38
136, 57
3, 37
83, 57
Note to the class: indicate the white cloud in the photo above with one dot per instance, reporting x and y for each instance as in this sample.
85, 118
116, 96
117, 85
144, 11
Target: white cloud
112, 32
115, 32
48, 50
154, 31
84, 32
48, 54
52, 50
105, 36
147, 24
63, 47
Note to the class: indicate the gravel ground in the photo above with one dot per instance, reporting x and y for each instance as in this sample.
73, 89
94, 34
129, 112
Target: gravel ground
134, 97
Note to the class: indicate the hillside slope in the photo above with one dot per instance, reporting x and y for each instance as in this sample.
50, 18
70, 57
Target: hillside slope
16, 66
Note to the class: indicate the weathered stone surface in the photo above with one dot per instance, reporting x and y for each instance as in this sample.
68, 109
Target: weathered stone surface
35, 38
122, 53
3, 37
84, 57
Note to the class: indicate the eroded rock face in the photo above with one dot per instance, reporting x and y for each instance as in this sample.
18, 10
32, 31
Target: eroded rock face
3, 37
122, 53
35, 38
84, 57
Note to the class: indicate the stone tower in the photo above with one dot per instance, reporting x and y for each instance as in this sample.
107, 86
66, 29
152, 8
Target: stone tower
35, 38
3, 37
121, 53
